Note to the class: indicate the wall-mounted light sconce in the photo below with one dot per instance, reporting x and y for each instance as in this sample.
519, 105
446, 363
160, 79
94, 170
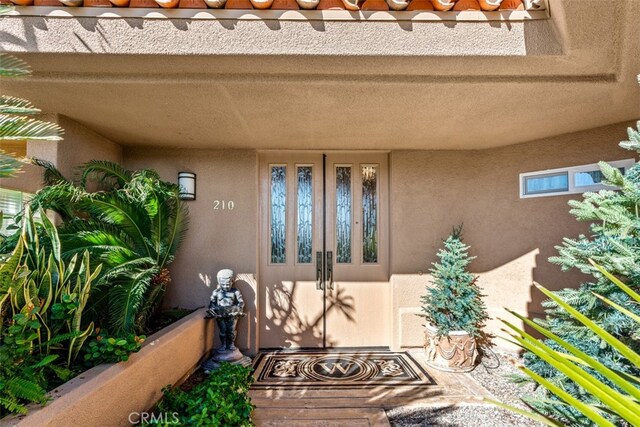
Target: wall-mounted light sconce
187, 184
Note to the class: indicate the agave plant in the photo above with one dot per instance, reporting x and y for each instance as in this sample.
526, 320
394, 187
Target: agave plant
133, 225
618, 401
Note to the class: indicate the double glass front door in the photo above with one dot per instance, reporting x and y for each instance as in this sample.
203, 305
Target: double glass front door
324, 250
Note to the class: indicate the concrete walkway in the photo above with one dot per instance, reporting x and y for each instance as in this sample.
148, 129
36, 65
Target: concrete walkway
359, 407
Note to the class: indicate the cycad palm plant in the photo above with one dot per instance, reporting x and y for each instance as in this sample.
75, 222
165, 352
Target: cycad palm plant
133, 225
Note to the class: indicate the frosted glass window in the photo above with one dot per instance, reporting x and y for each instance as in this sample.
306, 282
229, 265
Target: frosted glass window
305, 214
343, 214
369, 214
588, 178
549, 183
278, 214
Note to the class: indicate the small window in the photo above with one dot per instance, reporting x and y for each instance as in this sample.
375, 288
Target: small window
589, 178
11, 204
548, 183
569, 180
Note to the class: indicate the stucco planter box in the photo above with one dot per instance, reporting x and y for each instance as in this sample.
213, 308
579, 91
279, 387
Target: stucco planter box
116, 394
456, 352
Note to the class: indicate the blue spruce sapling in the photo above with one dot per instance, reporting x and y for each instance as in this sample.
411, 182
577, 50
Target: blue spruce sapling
454, 301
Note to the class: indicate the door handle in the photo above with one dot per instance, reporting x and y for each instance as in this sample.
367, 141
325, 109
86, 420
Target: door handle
319, 270
330, 269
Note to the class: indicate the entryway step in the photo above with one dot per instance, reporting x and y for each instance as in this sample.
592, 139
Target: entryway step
329, 417
343, 398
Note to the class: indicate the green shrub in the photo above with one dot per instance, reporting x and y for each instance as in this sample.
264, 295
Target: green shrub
221, 400
614, 401
613, 243
105, 349
454, 301
133, 226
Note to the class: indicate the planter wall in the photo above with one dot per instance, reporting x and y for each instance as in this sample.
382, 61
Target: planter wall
108, 394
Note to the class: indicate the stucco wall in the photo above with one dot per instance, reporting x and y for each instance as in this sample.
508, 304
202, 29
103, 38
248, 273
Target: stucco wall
216, 238
79, 145
432, 191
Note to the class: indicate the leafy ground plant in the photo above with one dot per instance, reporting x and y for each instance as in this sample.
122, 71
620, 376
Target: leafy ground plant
222, 399
104, 349
42, 302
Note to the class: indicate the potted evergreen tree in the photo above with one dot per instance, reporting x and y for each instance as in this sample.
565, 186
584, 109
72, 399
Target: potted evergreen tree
453, 308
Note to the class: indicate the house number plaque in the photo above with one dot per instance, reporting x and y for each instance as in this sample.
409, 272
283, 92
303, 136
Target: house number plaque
223, 205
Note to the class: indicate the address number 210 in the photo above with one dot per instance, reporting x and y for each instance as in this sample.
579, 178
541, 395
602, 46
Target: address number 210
223, 205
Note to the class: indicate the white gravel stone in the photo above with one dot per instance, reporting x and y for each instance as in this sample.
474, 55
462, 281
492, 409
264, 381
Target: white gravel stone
497, 381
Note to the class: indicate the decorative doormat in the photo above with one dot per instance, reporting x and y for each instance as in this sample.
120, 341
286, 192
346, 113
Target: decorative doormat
318, 369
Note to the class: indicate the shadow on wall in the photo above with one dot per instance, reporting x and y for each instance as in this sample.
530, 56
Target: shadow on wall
289, 326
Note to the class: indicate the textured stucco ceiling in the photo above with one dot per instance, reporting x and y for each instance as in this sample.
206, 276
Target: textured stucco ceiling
332, 85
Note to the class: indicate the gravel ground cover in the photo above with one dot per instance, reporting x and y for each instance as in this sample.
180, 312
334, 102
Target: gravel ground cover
496, 381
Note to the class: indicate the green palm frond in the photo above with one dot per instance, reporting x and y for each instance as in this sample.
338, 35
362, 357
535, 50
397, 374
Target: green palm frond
60, 198
52, 175
126, 297
150, 304
13, 105
10, 66
91, 232
17, 128
133, 262
9, 165
177, 226
608, 396
105, 172
114, 209
107, 247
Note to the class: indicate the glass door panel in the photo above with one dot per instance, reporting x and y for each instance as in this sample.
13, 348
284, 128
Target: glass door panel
370, 214
278, 209
304, 214
343, 214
